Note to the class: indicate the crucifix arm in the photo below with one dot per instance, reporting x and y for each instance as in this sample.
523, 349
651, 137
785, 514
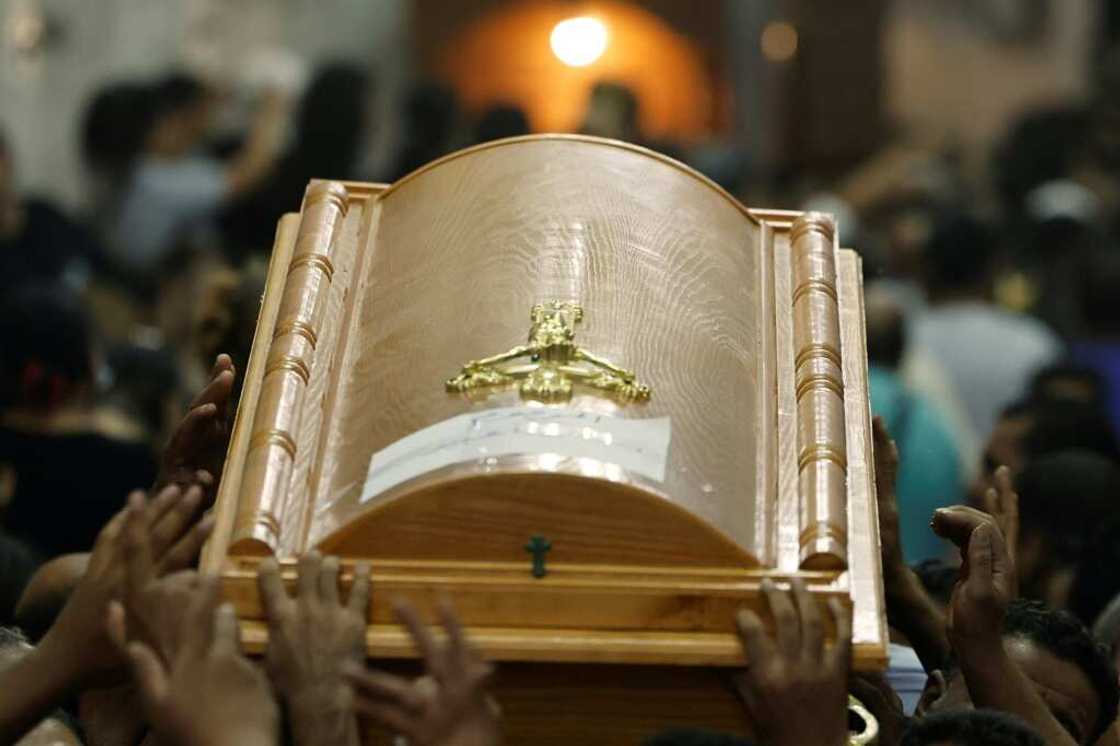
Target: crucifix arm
582, 354
516, 352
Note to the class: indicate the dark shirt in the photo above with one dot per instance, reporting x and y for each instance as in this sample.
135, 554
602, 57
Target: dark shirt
48, 244
69, 486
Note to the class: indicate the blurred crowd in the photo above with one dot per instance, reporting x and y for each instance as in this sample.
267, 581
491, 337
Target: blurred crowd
994, 347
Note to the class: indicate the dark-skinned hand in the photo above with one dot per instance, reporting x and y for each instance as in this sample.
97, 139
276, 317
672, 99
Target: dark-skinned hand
449, 706
175, 538
886, 477
987, 581
201, 691
311, 639
1002, 503
795, 672
200, 441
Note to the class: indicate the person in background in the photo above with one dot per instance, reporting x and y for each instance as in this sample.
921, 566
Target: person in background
1062, 497
39, 244
1032, 428
990, 353
971, 728
930, 468
173, 191
1096, 582
431, 123
332, 123
1098, 346
501, 121
1017, 656
53, 435
612, 111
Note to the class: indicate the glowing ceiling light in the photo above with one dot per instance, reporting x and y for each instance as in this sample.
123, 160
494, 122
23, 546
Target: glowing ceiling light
577, 42
779, 41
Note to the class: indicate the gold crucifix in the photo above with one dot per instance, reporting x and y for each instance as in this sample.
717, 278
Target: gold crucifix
554, 363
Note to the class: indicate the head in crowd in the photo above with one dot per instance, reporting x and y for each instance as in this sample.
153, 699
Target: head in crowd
500, 121
1067, 383
694, 737
1096, 581
182, 108
958, 258
971, 728
333, 120
1032, 428
1054, 650
1061, 495
1040, 147
114, 127
1099, 278
431, 119
886, 329
48, 359
612, 111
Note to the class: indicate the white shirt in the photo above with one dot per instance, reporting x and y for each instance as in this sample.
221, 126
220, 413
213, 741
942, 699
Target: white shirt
165, 200
989, 353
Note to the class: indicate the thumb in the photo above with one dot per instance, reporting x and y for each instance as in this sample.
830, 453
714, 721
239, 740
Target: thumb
151, 678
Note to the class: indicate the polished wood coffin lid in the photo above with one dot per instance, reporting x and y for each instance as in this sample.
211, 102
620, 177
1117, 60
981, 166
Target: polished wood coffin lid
747, 324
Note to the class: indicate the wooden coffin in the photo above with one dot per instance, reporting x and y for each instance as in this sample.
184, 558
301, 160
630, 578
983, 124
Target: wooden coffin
751, 457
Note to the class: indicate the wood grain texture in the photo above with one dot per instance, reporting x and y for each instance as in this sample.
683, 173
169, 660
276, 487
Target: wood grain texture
465, 248
266, 489
822, 454
230, 499
865, 571
563, 704
678, 282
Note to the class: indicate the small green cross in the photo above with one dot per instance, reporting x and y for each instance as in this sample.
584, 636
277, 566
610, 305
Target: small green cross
538, 546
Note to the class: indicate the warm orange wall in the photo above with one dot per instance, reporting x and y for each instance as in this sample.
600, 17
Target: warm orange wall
505, 56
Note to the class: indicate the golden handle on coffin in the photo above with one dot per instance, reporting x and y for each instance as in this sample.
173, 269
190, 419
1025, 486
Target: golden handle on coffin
870, 732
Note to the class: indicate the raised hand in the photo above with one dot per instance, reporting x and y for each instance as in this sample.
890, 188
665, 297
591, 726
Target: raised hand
987, 581
1002, 503
449, 706
909, 607
886, 477
311, 638
977, 609
199, 442
795, 674
201, 691
172, 536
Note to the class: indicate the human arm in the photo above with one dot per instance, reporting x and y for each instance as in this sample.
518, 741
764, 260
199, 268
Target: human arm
75, 651
255, 158
199, 690
310, 640
975, 623
910, 610
796, 672
450, 705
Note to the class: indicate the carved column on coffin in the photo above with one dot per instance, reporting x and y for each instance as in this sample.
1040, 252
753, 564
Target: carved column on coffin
272, 448
822, 451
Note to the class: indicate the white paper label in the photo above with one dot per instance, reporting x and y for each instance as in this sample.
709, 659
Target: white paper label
638, 446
